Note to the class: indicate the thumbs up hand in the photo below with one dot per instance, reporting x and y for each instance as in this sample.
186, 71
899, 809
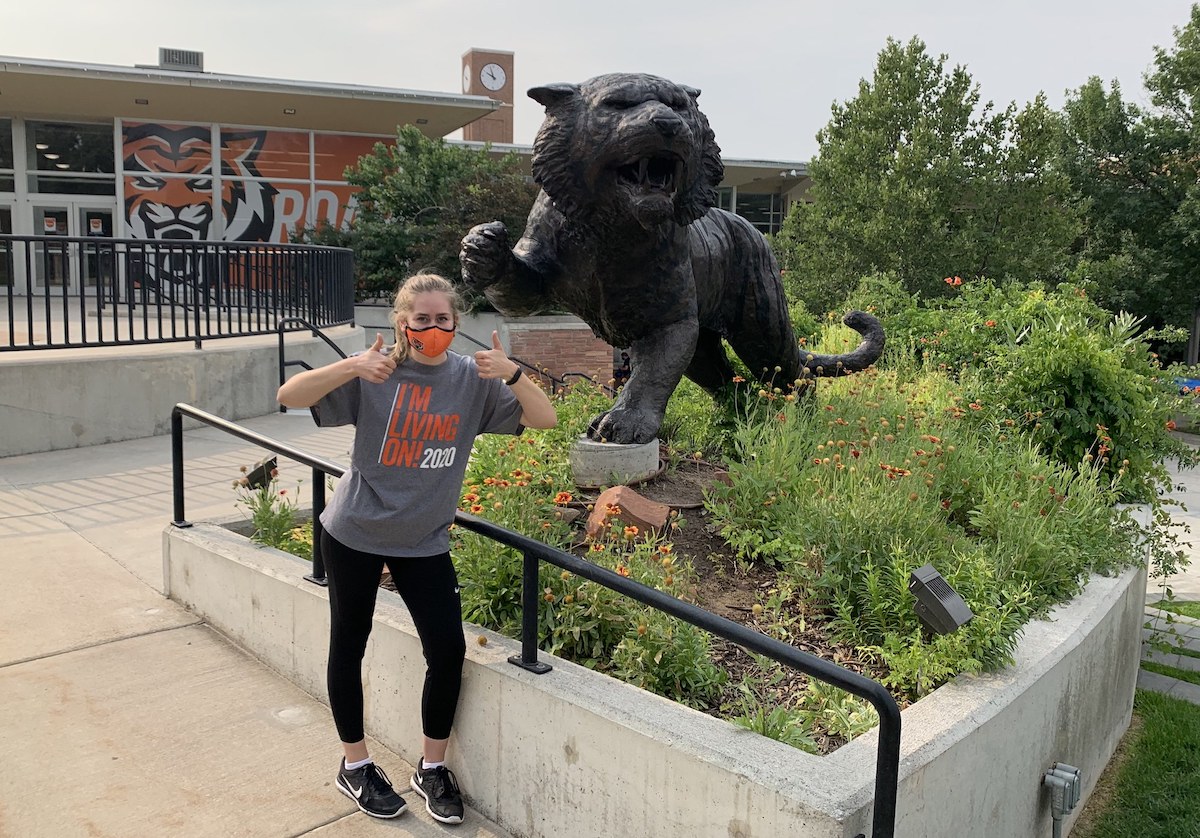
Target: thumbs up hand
494, 362
375, 365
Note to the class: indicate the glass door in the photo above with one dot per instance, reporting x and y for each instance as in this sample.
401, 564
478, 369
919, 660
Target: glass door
96, 261
51, 261
73, 264
7, 265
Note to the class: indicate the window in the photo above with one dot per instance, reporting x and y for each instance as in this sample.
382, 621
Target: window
724, 197
763, 211
7, 179
70, 158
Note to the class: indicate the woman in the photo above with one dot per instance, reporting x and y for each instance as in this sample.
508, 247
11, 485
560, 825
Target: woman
417, 409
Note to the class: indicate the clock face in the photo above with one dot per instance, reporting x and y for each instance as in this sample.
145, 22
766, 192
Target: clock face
466, 77
493, 76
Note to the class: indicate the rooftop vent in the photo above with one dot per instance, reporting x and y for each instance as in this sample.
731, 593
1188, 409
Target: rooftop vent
180, 59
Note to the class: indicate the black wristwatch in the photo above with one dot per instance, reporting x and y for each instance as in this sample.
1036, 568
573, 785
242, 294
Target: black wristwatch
516, 376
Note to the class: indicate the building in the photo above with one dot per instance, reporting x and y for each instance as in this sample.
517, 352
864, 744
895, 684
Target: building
172, 151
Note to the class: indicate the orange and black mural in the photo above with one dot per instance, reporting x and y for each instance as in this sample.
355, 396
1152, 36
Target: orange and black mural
270, 181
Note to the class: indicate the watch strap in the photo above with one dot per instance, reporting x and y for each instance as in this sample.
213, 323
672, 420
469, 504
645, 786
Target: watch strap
516, 376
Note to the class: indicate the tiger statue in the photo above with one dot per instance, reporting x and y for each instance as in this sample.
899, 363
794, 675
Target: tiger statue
180, 206
624, 234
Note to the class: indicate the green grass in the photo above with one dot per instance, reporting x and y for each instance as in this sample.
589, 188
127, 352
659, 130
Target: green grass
1186, 608
1156, 790
1172, 672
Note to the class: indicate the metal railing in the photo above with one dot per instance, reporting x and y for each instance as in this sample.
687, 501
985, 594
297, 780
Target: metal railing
281, 327
556, 382
92, 291
887, 757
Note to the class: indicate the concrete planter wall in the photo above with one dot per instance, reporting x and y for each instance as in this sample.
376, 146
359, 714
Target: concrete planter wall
575, 752
69, 398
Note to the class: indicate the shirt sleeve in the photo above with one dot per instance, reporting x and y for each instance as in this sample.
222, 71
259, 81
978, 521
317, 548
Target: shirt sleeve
501, 410
339, 406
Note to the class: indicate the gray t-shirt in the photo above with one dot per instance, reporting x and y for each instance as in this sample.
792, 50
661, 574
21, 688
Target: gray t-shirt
413, 436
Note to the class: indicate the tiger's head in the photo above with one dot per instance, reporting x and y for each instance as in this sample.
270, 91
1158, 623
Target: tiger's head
626, 145
170, 185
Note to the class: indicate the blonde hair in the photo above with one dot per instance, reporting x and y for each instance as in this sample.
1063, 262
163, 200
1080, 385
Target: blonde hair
406, 295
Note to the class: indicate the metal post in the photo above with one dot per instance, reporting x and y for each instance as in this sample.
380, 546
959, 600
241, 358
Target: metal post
177, 467
317, 577
283, 409
529, 619
194, 282
887, 766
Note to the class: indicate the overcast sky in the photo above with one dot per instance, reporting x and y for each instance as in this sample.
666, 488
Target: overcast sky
769, 69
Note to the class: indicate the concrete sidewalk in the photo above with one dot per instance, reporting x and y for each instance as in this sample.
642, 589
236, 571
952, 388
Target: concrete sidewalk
123, 714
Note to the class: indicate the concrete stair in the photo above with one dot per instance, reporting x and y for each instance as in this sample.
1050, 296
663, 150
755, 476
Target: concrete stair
1180, 633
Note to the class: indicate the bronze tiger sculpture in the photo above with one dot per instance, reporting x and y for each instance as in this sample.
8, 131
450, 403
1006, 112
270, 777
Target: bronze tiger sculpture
624, 235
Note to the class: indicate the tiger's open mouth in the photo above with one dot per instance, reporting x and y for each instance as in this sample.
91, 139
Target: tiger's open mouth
658, 174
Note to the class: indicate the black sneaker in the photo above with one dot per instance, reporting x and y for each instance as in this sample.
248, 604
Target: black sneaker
371, 790
443, 800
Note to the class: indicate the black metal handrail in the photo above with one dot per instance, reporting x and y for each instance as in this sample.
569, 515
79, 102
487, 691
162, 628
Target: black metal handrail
317, 333
97, 291
556, 382
887, 757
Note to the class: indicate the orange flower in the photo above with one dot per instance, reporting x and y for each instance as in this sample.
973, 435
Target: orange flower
622, 570
597, 547
470, 497
991, 324
737, 379
631, 532
665, 549
1171, 425
975, 406
562, 498
476, 508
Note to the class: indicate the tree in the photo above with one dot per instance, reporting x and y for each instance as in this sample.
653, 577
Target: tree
417, 200
916, 178
1138, 170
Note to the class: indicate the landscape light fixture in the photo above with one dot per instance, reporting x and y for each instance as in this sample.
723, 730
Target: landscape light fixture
260, 476
939, 606
289, 111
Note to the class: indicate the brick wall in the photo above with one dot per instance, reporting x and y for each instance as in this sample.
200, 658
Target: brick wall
560, 344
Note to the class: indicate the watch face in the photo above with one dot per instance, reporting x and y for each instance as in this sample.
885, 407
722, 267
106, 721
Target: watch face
493, 76
466, 77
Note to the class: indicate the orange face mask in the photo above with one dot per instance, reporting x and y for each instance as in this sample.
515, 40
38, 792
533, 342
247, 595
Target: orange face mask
431, 341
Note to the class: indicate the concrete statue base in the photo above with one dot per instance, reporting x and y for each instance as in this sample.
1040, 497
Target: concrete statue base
595, 464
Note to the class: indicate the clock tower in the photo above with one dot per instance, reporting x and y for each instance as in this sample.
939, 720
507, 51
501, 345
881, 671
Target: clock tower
489, 72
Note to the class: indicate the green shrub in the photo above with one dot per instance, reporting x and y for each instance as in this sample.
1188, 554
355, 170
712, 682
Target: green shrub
887, 474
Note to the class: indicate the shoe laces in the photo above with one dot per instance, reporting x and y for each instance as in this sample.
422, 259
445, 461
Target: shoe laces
374, 777
441, 781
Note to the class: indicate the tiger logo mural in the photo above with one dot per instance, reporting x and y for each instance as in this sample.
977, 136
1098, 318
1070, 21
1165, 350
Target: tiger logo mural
181, 206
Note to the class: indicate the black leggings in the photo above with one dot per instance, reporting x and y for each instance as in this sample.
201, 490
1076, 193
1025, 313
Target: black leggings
429, 587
